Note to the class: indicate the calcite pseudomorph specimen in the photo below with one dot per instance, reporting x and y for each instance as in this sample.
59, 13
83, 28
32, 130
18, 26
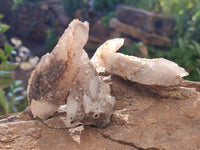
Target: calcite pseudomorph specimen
66, 75
68, 68
157, 71
53, 76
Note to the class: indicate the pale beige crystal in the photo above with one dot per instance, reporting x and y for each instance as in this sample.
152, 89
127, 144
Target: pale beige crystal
157, 71
89, 101
53, 76
108, 48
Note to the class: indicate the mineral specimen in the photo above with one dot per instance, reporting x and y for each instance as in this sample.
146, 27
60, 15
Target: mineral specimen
146, 71
89, 101
66, 75
53, 76
68, 68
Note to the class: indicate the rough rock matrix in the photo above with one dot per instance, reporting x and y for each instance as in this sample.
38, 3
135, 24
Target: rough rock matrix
142, 120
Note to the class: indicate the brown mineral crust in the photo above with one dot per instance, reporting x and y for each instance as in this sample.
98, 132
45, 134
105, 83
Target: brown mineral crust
42, 83
95, 119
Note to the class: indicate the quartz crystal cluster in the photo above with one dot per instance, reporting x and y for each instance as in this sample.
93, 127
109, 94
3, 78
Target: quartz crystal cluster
68, 76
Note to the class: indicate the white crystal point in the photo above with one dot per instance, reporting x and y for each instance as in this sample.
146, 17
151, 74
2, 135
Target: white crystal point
107, 48
55, 73
145, 71
89, 101
72, 41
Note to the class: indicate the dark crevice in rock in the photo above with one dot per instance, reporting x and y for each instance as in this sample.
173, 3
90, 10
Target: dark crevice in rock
50, 127
9, 119
129, 143
154, 148
121, 142
191, 84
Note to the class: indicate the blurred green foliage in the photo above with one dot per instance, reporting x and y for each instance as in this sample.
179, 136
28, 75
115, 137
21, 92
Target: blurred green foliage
106, 18
18, 3
106, 6
71, 6
3, 27
130, 50
51, 36
51, 39
186, 55
10, 90
187, 14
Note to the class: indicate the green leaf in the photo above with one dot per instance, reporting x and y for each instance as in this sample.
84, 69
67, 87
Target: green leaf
18, 82
1, 16
4, 27
19, 98
5, 83
5, 75
18, 89
3, 56
3, 101
198, 70
8, 66
8, 49
181, 44
196, 15
197, 45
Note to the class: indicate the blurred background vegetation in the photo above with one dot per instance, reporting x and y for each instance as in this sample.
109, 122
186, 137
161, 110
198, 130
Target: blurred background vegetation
185, 48
12, 98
